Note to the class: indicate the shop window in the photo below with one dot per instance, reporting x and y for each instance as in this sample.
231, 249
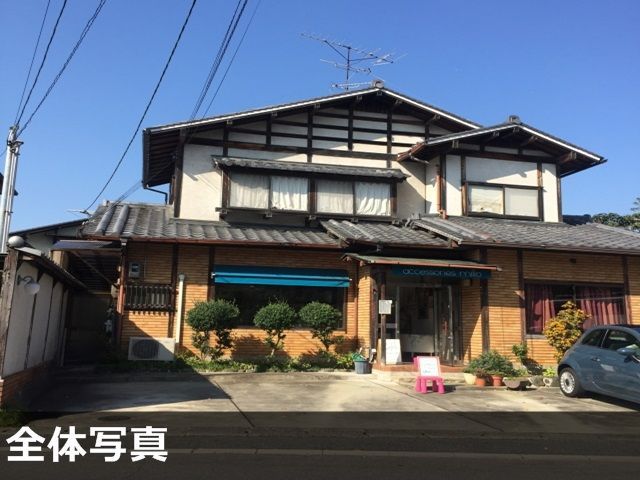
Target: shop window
269, 192
603, 304
249, 191
250, 298
503, 200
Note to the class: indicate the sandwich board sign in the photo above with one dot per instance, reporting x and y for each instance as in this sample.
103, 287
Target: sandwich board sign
429, 367
392, 351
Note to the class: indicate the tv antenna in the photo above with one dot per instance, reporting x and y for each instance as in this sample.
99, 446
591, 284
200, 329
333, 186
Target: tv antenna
354, 60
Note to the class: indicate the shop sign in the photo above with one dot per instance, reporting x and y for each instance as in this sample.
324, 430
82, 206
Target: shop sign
434, 272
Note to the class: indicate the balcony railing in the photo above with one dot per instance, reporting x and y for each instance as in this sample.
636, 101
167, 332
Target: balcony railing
148, 296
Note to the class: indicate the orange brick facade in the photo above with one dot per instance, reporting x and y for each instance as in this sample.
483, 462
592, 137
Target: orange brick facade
505, 298
17, 389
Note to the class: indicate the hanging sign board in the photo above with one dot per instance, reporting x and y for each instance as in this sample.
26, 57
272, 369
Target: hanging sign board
429, 366
392, 351
384, 307
440, 272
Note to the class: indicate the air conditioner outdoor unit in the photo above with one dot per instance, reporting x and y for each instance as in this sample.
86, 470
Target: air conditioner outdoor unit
144, 348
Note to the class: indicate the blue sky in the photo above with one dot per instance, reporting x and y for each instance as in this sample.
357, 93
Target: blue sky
570, 68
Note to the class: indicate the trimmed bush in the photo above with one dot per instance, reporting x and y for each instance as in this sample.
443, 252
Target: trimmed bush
274, 319
563, 330
490, 363
322, 319
217, 316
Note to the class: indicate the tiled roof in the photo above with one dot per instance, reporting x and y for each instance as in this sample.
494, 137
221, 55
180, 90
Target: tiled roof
306, 167
154, 222
524, 233
382, 234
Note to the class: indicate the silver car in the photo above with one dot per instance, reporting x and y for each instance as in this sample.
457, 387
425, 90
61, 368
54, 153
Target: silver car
606, 360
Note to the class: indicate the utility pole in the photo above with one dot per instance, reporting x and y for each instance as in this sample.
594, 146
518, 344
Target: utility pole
8, 186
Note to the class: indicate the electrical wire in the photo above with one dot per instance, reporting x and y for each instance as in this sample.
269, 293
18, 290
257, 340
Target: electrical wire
83, 34
244, 34
33, 57
144, 114
44, 59
220, 56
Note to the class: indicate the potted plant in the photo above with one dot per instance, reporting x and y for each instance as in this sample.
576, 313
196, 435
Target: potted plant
480, 377
518, 381
469, 376
550, 377
361, 363
491, 363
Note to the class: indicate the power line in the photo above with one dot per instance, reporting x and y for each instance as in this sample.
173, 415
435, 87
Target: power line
44, 58
138, 184
144, 114
244, 34
235, 19
33, 57
83, 34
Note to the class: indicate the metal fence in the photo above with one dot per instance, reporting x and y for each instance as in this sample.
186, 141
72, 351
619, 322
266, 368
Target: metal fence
148, 296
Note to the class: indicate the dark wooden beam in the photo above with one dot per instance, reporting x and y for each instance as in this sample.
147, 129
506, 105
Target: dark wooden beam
350, 128
528, 141
540, 191
567, 157
310, 135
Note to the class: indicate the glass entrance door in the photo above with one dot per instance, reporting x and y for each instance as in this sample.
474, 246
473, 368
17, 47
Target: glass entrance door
423, 321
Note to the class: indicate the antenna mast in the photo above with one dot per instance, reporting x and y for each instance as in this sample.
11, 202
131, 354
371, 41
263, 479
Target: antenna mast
354, 60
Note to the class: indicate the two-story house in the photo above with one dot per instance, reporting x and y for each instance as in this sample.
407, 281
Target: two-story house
364, 196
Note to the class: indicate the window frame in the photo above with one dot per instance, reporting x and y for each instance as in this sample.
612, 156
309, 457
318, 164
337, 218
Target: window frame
573, 286
312, 195
503, 186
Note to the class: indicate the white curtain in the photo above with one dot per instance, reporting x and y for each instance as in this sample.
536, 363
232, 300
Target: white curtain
249, 191
486, 199
334, 197
373, 198
521, 201
289, 193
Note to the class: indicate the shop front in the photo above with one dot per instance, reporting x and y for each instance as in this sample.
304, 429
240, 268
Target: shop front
417, 306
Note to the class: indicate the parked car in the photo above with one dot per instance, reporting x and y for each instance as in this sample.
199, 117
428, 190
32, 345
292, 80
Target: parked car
606, 360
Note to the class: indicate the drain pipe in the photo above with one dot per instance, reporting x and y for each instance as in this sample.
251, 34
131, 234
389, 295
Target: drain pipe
179, 302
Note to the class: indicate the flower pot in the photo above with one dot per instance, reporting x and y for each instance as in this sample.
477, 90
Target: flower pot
362, 366
516, 383
469, 378
551, 381
481, 382
496, 380
536, 380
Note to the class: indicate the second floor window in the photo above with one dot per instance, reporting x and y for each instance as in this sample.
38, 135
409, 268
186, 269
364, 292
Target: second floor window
503, 200
353, 198
291, 194
269, 192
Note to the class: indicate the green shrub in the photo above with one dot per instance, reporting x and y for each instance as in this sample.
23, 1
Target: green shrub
563, 330
521, 351
274, 319
217, 316
490, 363
322, 319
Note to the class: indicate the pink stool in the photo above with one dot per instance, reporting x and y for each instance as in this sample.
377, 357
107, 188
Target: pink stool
422, 384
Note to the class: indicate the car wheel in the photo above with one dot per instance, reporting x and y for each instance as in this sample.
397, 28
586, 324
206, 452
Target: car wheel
569, 383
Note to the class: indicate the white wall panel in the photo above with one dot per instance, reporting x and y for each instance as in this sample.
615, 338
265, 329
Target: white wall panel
55, 323
510, 172
431, 188
550, 193
201, 183
453, 185
40, 320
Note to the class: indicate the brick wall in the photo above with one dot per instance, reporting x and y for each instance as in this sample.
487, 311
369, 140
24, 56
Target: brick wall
194, 262
471, 320
505, 321
573, 267
634, 287
18, 389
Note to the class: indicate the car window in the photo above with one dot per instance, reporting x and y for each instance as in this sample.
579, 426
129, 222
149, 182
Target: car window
617, 339
594, 338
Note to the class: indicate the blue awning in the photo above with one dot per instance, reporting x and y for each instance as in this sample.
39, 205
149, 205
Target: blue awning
304, 277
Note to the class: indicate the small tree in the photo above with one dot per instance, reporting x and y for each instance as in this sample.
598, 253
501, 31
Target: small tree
563, 330
217, 316
322, 319
274, 319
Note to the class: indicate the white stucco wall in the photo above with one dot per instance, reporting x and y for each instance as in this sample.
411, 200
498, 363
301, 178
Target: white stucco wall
453, 177
40, 321
550, 193
201, 183
501, 171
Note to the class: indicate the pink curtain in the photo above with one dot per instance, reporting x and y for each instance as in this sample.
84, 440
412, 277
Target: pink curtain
539, 305
601, 306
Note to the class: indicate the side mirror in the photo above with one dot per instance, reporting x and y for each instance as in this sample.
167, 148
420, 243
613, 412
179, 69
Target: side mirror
628, 351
